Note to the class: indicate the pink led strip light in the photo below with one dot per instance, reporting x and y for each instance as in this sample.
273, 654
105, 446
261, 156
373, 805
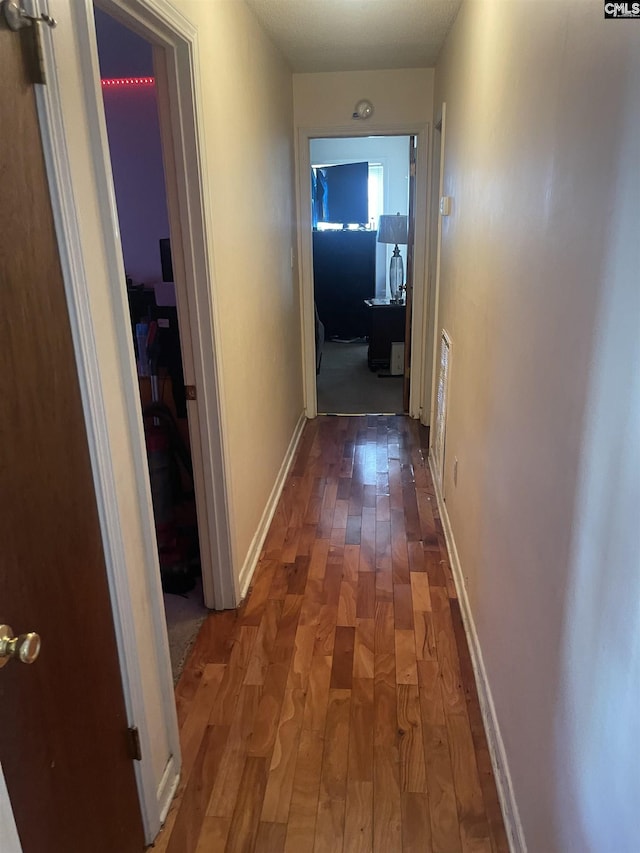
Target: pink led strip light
118, 82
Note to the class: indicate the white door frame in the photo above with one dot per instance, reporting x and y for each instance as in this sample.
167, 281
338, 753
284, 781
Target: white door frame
176, 69
159, 22
417, 401
435, 318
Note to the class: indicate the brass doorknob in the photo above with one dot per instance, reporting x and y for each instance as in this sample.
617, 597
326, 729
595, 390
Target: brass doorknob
24, 647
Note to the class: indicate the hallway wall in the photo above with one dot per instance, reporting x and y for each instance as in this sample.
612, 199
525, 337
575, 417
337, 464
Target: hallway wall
248, 118
326, 99
539, 292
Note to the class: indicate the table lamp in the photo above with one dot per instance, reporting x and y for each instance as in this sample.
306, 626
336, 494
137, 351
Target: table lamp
393, 229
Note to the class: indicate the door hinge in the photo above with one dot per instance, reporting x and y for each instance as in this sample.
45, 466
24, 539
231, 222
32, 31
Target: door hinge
412, 169
190, 392
135, 750
16, 18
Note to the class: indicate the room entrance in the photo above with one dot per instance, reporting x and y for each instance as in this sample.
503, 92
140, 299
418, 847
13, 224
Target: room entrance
131, 112
360, 195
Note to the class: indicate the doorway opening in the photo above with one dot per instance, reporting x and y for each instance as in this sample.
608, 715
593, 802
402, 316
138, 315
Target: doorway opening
360, 196
158, 326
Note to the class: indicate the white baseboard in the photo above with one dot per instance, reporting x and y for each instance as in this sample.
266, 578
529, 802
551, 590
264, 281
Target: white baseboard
497, 750
251, 561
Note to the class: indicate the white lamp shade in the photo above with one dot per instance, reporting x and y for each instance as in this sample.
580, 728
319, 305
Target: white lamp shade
392, 229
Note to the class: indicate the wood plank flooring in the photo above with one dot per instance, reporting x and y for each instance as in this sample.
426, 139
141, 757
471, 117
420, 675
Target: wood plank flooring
336, 710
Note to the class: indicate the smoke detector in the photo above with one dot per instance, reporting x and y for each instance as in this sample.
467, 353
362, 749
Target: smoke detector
363, 109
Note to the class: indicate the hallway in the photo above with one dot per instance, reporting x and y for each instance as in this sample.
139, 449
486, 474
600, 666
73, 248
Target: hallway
337, 710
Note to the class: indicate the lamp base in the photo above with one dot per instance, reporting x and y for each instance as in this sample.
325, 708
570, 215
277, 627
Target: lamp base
396, 275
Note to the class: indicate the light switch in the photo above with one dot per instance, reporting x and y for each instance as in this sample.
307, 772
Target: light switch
445, 205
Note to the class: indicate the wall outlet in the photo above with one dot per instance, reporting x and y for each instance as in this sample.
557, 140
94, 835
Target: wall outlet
455, 470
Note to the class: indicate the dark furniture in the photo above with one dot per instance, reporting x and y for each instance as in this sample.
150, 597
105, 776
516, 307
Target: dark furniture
386, 325
344, 274
143, 308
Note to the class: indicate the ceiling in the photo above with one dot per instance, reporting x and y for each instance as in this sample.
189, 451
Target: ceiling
357, 35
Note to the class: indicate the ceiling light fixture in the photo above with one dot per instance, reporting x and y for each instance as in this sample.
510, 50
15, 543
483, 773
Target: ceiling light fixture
363, 109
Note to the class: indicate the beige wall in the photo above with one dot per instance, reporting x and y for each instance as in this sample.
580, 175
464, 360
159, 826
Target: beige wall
399, 97
248, 119
540, 293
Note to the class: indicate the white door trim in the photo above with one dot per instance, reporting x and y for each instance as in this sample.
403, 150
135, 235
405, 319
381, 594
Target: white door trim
176, 64
417, 402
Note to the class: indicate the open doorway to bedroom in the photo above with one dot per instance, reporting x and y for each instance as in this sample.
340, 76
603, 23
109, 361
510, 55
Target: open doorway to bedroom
360, 201
136, 155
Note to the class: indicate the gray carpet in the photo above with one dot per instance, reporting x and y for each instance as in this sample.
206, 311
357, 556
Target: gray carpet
346, 386
185, 616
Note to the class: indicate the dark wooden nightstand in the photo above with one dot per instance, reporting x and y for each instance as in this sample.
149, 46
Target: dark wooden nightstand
387, 321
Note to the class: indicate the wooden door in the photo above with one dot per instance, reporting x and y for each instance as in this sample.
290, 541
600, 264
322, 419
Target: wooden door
63, 728
411, 233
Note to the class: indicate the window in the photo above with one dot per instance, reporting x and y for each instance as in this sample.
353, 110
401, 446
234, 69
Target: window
376, 193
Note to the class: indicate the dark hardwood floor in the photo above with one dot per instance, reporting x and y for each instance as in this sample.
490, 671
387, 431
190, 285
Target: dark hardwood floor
336, 710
